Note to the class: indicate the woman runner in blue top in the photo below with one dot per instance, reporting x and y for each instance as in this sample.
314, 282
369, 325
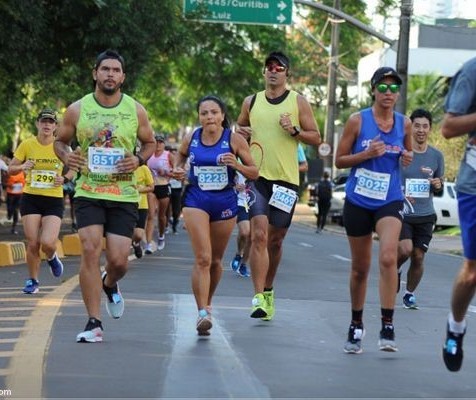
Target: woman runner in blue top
373, 142
209, 200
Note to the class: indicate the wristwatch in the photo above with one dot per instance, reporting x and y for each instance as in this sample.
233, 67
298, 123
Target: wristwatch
141, 160
296, 132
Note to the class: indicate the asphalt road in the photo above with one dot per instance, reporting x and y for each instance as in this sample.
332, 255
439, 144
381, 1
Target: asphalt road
153, 350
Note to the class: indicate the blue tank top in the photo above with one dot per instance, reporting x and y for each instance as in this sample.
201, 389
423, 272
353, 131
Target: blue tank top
206, 170
376, 182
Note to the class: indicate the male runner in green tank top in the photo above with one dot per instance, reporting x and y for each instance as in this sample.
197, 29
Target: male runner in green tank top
106, 125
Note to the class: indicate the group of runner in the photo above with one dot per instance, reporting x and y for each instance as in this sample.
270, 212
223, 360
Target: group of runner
120, 187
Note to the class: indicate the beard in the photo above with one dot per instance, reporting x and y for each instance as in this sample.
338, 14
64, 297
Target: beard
108, 90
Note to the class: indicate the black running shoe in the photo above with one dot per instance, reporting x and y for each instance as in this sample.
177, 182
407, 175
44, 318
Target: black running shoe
137, 249
453, 350
387, 339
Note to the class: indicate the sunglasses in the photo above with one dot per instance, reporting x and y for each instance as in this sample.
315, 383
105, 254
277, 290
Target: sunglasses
275, 68
383, 87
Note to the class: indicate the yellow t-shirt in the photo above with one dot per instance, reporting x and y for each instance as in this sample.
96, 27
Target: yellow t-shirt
272, 148
144, 178
40, 179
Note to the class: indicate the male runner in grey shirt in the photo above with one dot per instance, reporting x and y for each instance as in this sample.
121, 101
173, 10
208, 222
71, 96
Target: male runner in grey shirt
422, 178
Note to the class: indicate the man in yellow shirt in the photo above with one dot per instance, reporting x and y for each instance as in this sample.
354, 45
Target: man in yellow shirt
275, 120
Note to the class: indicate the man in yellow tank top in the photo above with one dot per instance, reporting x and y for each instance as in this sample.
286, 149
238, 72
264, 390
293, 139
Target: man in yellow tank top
276, 120
106, 125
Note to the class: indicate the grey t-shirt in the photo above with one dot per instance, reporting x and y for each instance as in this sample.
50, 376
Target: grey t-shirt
461, 100
415, 183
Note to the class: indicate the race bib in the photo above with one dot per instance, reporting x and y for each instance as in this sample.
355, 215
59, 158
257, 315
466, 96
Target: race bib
42, 179
417, 188
211, 178
175, 184
17, 188
103, 159
471, 157
283, 198
373, 185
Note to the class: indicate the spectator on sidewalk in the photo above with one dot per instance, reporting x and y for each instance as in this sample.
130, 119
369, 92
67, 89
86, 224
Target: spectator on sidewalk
324, 198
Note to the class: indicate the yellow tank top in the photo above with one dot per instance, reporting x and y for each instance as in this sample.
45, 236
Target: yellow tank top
104, 135
40, 179
273, 149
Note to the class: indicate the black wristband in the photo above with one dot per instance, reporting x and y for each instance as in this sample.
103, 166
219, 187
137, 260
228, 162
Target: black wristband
141, 160
296, 132
66, 180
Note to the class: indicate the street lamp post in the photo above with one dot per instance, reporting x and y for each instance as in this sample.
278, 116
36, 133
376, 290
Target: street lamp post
331, 89
402, 53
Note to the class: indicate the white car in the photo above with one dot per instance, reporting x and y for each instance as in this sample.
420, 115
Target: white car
446, 206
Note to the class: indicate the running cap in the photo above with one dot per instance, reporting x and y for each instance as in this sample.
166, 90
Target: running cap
47, 113
382, 73
281, 58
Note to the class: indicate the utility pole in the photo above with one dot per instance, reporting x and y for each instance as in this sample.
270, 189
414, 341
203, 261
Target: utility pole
331, 89
402, 53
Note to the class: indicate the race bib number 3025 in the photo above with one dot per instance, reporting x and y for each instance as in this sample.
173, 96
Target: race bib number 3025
104, 159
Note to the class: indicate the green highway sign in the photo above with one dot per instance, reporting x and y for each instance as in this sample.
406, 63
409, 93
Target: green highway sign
266, 12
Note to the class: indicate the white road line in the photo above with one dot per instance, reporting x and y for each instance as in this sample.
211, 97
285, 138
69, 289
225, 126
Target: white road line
472, 309
303, 244
223, 365
341, 257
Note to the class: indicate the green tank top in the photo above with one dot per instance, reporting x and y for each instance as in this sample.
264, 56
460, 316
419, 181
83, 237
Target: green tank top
104, 135
272, 148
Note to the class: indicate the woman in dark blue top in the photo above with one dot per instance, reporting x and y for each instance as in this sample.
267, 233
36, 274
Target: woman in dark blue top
372, 144
210, 201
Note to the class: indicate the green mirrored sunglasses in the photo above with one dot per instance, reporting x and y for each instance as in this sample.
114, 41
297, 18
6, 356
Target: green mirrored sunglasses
383, 87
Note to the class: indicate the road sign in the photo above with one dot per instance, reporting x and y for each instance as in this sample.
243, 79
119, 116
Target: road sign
264, 12
324, 149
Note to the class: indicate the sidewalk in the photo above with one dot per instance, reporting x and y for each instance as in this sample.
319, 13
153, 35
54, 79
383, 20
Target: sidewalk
448, 244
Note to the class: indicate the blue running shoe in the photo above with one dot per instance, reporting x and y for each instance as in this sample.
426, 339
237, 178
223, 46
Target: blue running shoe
114, 301
56, 266
31, 286
235, 263
243, 271
409, 302
453, 350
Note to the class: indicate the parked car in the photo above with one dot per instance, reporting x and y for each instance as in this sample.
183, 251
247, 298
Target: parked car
446, 206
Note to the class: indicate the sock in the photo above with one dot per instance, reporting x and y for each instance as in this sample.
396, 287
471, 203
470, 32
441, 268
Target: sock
202, 313
456, 327
268, 289
357, 317
387, 316
408, 292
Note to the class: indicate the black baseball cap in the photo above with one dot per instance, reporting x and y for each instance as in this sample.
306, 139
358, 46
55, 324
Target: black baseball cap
47, 113
382, 73
159, 138
281, 58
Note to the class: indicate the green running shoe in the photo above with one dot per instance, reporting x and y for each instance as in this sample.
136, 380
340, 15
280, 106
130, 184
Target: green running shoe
258, 309
269, 299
